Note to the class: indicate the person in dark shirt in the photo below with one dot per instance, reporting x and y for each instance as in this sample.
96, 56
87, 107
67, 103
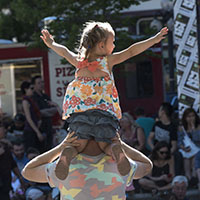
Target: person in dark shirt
47, 109
7, 165
164, 129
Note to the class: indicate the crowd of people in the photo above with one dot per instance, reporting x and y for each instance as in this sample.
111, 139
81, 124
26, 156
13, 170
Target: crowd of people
172, 148
26, 136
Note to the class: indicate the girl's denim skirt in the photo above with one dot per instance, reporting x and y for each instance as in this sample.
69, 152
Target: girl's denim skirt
95, 124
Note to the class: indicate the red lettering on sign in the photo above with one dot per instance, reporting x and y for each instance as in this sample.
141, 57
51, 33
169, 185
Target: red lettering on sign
64, 71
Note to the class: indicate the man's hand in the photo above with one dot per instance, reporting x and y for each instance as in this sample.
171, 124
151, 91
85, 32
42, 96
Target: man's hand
160, 36
47, 37
117, 139
69, 141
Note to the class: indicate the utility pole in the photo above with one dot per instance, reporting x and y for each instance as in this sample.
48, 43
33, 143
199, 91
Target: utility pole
167, 15
171, 60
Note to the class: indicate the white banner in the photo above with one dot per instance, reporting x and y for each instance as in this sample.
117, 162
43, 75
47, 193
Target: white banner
60, 77
185, 41
7, 90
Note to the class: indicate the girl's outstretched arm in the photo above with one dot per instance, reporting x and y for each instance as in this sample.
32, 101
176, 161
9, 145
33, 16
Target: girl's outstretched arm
135, 49
61, 50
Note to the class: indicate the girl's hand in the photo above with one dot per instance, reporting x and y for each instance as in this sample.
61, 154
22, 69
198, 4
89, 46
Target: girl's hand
69, 141
47, 37
160, 36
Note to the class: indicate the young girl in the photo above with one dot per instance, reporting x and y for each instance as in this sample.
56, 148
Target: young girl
91, 104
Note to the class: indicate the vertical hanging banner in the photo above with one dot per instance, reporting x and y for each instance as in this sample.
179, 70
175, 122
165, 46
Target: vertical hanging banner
185, 41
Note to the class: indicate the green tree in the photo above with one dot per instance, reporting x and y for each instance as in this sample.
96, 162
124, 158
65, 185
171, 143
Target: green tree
24, 19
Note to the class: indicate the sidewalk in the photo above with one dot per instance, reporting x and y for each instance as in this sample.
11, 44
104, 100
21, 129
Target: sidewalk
192, 194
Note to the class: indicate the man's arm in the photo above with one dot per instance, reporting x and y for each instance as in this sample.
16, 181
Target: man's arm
18, 174
51, 111
144, 164
141, 139
48, 112
35, 169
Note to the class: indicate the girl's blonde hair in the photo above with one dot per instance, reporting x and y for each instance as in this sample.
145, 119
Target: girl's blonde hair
93, 33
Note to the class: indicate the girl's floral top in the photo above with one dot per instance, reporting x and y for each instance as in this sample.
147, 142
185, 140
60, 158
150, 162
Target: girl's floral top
85, 93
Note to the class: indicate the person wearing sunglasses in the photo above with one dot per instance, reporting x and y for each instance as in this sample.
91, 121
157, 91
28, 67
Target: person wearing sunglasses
163, 169
32, 135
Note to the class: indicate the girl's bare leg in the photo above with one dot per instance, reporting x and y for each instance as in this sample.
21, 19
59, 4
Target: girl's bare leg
118, 155
62, 166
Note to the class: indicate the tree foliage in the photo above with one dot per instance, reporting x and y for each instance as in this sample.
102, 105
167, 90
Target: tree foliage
25, 19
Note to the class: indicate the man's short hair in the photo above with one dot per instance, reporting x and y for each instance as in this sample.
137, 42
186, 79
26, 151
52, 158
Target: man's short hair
179, 179
167, 108
34, 79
